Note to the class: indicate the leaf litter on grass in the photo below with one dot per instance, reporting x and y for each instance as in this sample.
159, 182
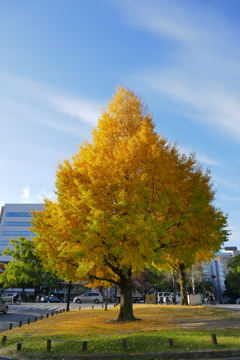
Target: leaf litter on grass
101, 329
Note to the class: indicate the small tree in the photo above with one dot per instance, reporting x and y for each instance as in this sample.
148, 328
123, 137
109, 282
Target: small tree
25, 268
162, 280
143, 283
232, 282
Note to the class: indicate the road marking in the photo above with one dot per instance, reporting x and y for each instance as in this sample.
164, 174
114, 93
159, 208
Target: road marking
35, 308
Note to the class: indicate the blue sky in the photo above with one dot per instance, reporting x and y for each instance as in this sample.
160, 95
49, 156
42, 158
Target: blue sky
60, 62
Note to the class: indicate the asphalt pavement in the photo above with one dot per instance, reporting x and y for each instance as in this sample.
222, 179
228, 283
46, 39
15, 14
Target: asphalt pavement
29, 311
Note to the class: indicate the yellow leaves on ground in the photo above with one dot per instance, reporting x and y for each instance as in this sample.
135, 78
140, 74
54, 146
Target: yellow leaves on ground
86, 323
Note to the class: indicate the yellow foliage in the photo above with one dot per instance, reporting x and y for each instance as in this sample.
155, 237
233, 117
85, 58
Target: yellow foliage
125, 200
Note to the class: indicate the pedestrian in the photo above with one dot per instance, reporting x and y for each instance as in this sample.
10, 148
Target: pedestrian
37, 298
211, 298
26, 297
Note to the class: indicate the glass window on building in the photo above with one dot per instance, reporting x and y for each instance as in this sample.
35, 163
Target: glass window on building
17, 223
18, 233
18, 214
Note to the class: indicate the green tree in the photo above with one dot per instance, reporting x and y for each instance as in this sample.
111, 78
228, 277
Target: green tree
232, 282
118, 202
143, 284
25, 268
162, 280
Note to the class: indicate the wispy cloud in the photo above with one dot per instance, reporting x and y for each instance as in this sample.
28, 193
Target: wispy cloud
228, 183
47, 106
201, 28
229, 198
200, 157
160, 18
235, 231
82, 109
194, 75
210, 102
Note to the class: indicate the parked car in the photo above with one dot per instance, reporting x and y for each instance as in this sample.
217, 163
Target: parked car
162, 295
3, 306
9, 298
177, 296
51, 298
227, 300
95, 297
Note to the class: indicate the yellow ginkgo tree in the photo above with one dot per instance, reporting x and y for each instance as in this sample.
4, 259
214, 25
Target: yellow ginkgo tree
201, 228
118, 202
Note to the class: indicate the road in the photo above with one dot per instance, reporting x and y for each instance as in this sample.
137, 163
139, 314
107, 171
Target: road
25, 311
232, 307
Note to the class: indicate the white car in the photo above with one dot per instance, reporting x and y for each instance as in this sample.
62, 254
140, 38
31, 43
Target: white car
177, 297
161, 296
95, 297
9, 298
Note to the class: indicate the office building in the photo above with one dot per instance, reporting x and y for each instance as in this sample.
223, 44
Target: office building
15, 222
226, 255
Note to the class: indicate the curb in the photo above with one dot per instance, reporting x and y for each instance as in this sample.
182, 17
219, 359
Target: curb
203, 354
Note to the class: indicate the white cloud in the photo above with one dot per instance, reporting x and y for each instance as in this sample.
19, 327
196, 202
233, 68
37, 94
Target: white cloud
41, 195
37, 197
25, 195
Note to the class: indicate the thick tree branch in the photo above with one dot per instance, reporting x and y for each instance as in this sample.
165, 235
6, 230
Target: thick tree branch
70, 263
104, 279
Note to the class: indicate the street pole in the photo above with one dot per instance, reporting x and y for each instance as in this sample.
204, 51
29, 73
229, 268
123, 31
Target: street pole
69, 293
193, 281
174, 287
106, 300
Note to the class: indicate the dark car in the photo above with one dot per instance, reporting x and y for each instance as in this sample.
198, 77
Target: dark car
227, 300
51, 298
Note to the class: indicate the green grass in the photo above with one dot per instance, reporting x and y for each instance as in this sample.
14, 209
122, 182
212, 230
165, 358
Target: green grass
157, 341
104, 335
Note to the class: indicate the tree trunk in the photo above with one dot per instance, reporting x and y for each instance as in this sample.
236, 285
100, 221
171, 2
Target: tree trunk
126, 303
183, 290
36, 291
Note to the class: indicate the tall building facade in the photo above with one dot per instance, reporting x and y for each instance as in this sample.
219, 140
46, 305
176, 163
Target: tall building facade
226, 255
216, 271
15, 222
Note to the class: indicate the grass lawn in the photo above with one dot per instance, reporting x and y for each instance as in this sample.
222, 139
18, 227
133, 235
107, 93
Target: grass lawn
189, 327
